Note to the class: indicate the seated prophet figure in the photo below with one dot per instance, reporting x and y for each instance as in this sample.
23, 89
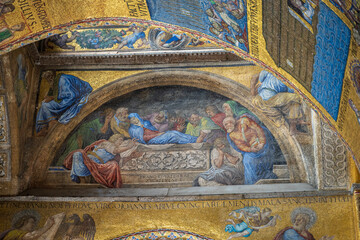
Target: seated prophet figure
144, 132
276, 100
72, 93
101, 160
251, 140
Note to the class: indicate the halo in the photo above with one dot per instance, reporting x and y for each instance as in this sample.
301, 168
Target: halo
28, 212
307, 211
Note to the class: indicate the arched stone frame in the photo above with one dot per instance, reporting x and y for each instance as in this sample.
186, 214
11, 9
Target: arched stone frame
47, 149
154, 232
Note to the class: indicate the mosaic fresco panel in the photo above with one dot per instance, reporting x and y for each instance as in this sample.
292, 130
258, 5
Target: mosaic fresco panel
122, 38
178, 136
224, 20
277, 218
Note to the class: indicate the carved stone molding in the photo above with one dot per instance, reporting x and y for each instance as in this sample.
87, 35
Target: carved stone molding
5, 161
114, 58
33, 53
5, 166
333, 159
177, 166
3, 121
2, 75
356, 193
186, 159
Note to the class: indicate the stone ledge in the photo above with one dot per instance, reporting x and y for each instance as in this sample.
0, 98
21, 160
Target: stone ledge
175, 194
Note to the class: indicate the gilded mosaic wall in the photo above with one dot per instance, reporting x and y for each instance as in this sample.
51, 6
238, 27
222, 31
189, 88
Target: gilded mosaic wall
277, 218
123, 39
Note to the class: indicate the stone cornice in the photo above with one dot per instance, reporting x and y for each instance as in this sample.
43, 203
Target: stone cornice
109, 59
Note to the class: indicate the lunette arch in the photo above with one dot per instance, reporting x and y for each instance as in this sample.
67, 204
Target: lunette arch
47, 149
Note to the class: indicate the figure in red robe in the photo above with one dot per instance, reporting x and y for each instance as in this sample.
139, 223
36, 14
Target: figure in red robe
215, 115
101, 160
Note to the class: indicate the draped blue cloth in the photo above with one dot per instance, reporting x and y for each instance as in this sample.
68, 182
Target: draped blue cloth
173, 137
168, 137
291, 234
79, 168
239, 228
270, 86
131, 39
145, 123
73, 94
257, 165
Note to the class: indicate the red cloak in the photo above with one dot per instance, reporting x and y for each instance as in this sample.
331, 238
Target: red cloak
218, 120
107, 174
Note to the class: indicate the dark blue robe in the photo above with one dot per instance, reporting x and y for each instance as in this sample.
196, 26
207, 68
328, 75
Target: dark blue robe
168, 137
73, 94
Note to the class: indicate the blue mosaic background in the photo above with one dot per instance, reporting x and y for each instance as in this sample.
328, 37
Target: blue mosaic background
332, 48
192, 14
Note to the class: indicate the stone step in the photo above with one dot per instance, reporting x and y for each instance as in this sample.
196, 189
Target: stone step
282, 171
